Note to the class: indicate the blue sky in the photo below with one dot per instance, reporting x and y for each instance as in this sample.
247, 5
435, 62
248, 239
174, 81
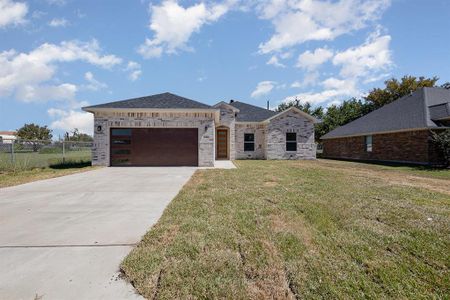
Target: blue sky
59, 55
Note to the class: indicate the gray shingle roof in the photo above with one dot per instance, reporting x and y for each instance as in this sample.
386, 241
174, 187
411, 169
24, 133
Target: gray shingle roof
165, 101
409, 112
440, 111
251, 113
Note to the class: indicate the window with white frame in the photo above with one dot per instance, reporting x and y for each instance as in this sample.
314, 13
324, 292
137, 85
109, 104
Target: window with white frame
368, 139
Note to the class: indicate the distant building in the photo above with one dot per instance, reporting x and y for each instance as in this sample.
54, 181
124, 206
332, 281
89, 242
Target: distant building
6, 137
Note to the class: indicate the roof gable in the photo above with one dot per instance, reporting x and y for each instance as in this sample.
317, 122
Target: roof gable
251, 113
299, 111
158, 101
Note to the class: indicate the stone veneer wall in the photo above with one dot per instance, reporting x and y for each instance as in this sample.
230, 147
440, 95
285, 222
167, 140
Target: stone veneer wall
290, 121
228, 119
101, 147
409, 146
259, 130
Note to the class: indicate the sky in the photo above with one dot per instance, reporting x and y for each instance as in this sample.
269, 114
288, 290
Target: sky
57, 56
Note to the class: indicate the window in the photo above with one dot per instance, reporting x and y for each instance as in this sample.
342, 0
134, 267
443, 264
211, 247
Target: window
121, 151
291, 141
121, 132
249, 142
368, 139
121, 142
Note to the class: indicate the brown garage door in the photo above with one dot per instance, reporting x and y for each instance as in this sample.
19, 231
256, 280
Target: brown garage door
154, 147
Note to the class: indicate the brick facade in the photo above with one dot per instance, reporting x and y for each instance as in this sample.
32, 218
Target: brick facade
408, 146
228, 120
259, 130
290, 121
270, 136
205, 125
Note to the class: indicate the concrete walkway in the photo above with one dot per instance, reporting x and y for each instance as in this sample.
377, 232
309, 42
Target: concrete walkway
64, 238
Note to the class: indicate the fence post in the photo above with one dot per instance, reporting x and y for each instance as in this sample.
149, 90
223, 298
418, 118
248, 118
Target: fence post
64, 152
12, 152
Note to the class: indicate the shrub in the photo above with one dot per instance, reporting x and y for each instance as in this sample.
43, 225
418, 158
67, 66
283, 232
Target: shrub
442, 141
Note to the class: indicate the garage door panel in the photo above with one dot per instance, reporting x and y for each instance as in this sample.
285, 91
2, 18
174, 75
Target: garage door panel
156, 147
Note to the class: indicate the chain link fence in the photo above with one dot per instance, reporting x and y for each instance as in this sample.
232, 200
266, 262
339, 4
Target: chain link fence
18, 154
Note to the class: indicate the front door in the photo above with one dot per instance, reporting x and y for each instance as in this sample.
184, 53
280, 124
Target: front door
222, 144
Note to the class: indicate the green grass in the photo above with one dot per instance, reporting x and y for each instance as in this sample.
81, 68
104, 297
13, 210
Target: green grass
30, 160
422, 171
297, 229
11, 178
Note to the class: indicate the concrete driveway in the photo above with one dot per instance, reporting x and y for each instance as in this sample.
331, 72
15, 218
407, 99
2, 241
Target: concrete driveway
64, 238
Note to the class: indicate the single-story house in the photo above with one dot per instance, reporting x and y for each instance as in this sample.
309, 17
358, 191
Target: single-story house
169, 130
397, 132
7, 137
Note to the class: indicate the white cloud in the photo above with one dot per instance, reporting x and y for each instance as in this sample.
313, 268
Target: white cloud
71, 119
58, 22
311, 60
173, 25
296, 84
333, 88
310, 79
94, 84
57, 2
135, 70
372, 56
275, 62
12, 13
299, 21
365, 63
263, 88
28, 76
33, 93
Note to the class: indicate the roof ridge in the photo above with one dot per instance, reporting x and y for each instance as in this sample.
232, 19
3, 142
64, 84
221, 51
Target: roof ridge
164, 100
237, 101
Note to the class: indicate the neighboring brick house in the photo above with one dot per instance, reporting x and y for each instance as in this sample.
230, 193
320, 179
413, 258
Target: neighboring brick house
169, 130
397, 132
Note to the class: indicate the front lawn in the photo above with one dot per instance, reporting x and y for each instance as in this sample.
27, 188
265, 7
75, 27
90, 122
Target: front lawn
298, 229
15, 177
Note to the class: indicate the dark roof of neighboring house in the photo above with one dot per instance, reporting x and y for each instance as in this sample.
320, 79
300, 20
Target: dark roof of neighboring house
251, 113
415, 111
164, 101
440, 111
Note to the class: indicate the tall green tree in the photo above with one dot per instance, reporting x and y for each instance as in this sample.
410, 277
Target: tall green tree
395, 89
338, 115
35, 134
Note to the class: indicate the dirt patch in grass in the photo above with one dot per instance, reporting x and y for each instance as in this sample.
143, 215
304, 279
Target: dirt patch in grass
294, 229
392, 176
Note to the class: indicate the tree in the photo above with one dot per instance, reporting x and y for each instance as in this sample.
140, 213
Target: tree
34, 133
446, 85
77, 136
395, 89
338, 115
442, 141
306, 107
